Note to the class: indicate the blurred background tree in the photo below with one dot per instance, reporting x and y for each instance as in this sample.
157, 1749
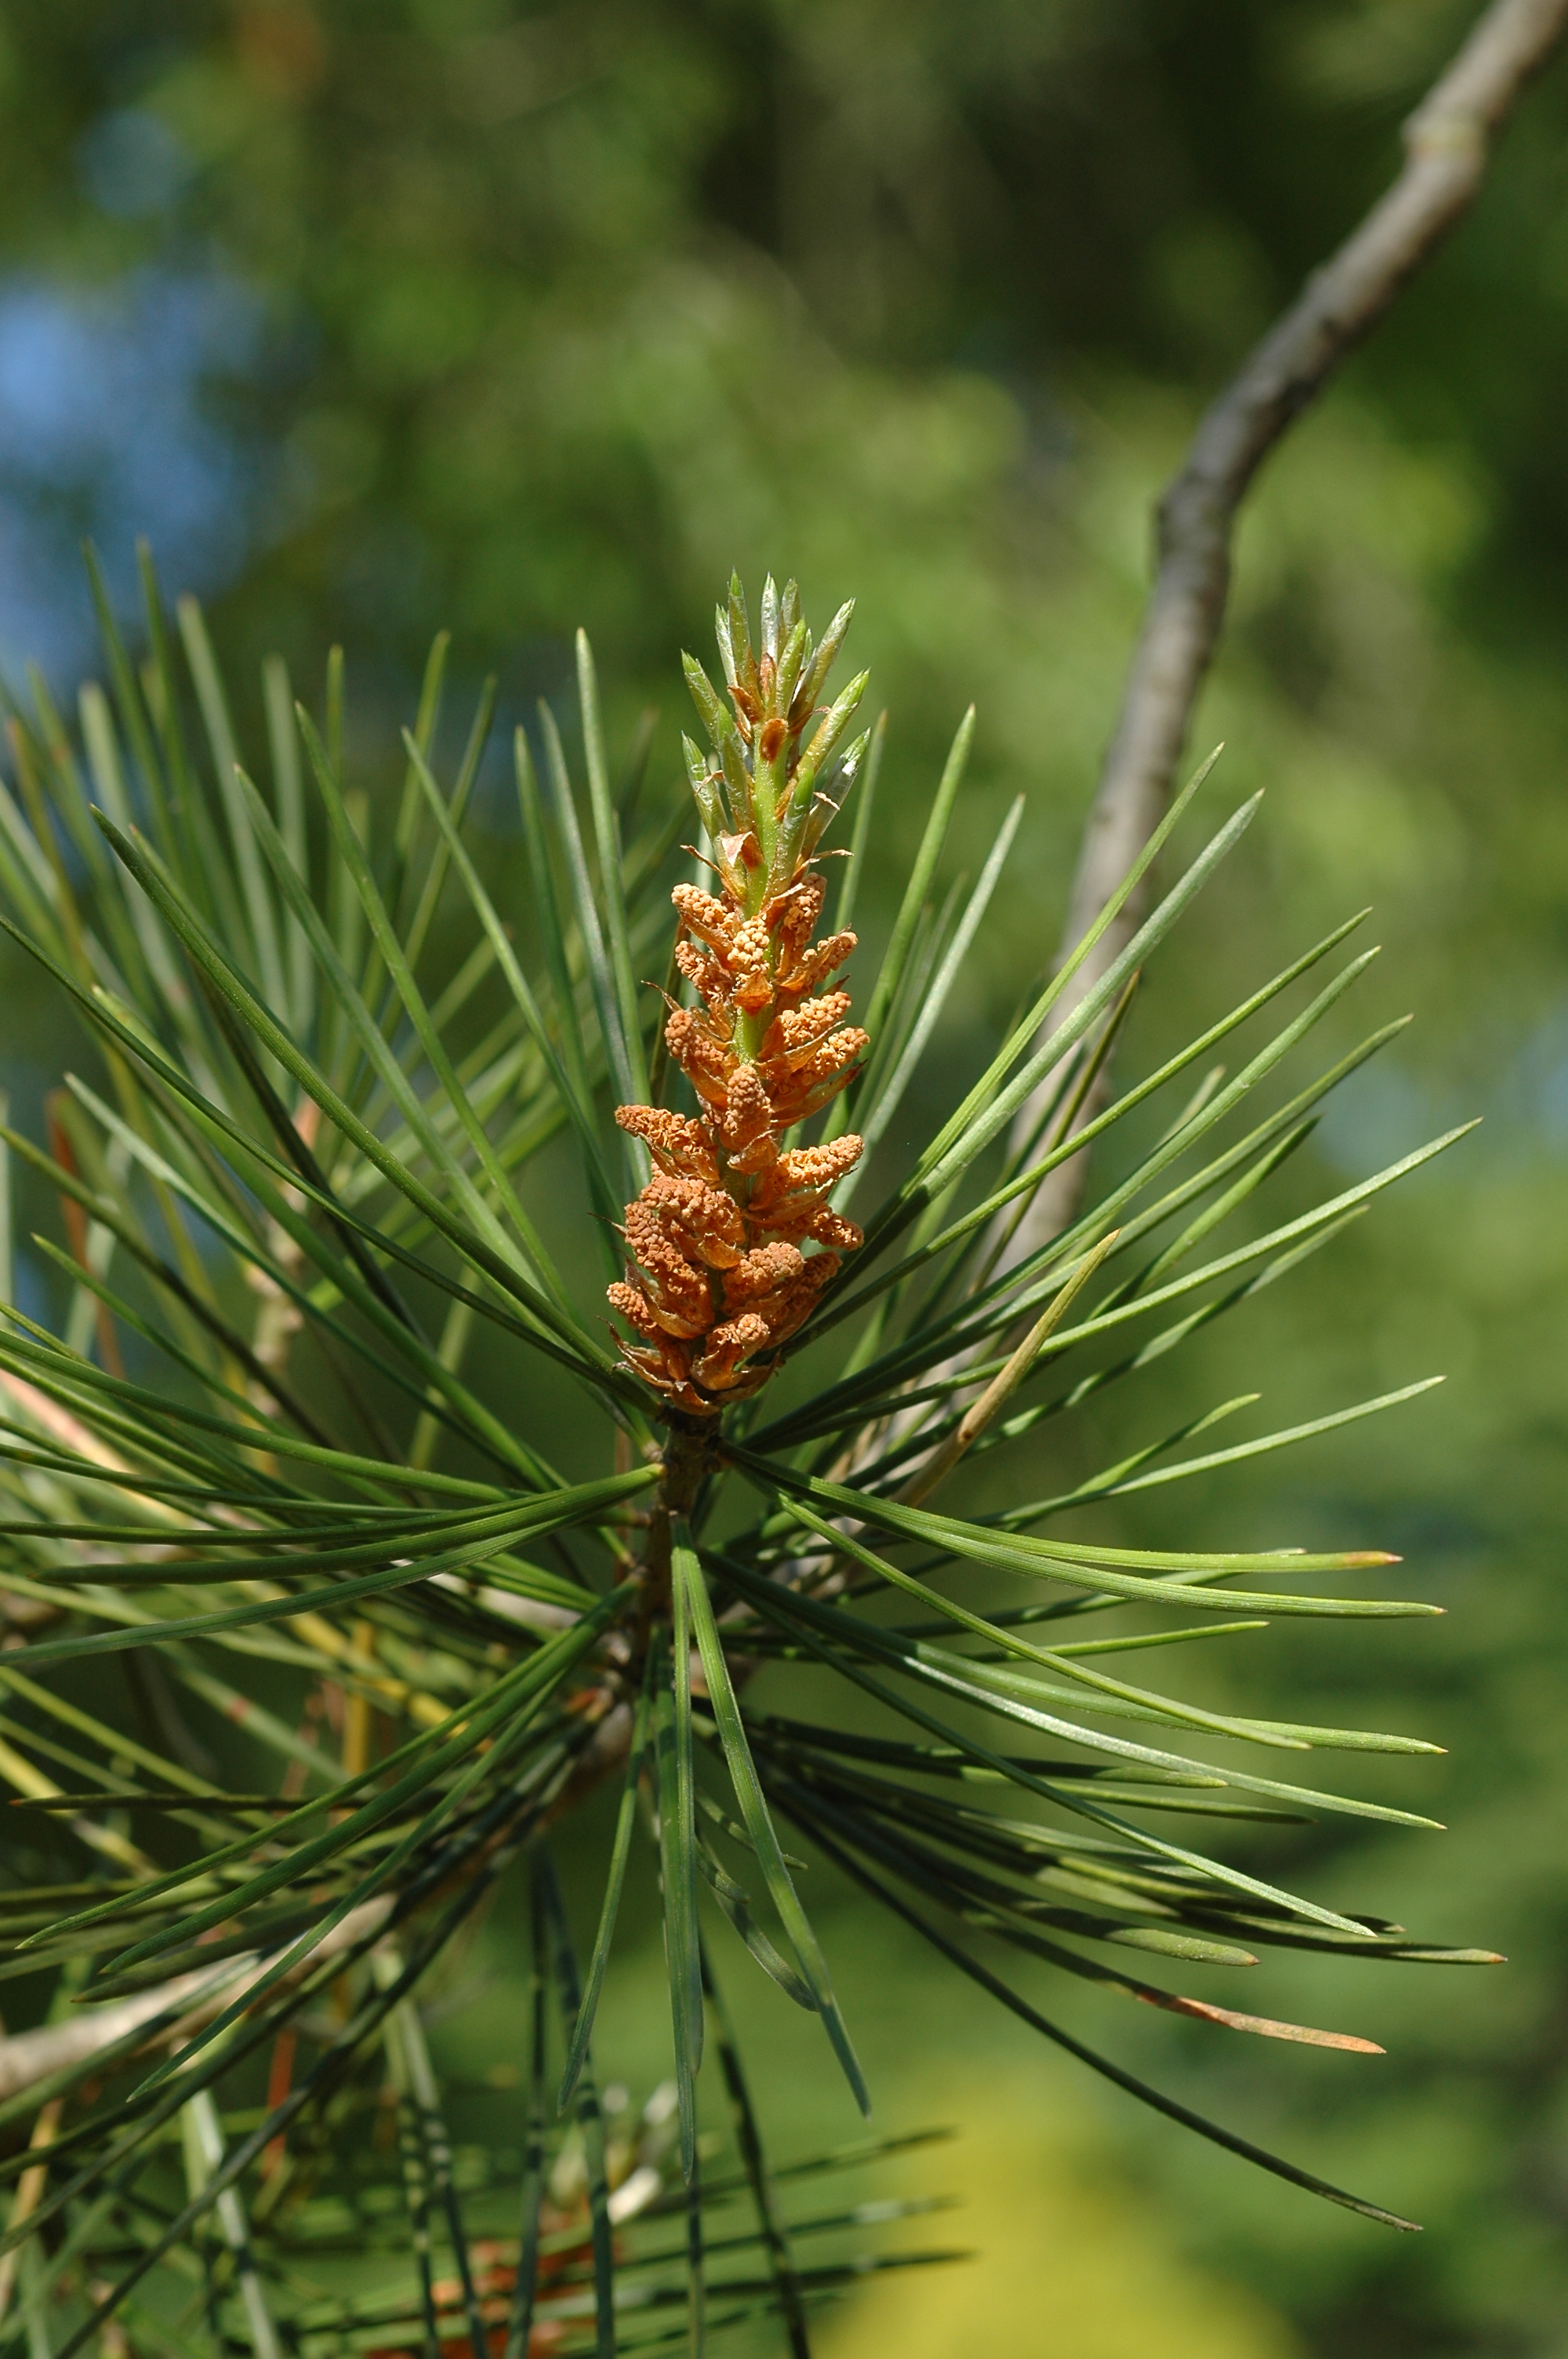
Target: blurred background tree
385, 313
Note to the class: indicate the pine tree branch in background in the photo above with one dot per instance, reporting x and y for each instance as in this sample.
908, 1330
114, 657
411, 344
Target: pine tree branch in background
1448, 148
28, 2056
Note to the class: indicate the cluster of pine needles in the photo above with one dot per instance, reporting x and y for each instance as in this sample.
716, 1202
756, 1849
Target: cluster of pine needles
313, 1650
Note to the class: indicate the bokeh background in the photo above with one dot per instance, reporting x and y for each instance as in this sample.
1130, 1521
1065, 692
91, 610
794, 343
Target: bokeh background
382, 314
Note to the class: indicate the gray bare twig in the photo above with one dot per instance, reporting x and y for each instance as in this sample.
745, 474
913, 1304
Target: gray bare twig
1447, 146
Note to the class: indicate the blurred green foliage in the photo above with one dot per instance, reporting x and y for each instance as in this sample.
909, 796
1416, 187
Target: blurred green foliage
556, 313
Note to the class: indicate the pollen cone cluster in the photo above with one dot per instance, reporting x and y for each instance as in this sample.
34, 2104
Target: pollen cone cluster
734, 1237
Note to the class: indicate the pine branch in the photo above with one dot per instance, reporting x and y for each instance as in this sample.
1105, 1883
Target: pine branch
277, 1078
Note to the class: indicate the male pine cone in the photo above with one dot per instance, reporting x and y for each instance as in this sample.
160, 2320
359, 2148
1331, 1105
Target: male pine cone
718, 1275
